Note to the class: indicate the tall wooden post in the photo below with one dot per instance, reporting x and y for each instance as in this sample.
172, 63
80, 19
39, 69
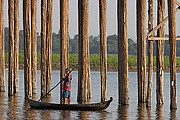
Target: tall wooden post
123, 80
64, 38
16, 45
172, 41
27, 48
49, 44
34, 45
160, 53
150, 53
43, 47
141, 49
11, 49
2, 58
103, 48
83, 70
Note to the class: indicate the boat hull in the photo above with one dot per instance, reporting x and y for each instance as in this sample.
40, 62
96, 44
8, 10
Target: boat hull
94, 106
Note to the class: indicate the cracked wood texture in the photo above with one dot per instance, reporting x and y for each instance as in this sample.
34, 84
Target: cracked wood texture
2, 48
27, 48
172, 41
103, 48
123, 80
141, 50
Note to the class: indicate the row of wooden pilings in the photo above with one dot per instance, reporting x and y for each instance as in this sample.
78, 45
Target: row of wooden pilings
84, 81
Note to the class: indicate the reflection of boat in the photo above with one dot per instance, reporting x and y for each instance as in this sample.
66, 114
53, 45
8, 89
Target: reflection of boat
93, 106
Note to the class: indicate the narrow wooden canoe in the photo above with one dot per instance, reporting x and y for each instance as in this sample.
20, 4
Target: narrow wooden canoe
93, 106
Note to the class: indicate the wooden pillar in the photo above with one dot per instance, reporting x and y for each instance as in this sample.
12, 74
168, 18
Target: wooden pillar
103, 48
16, 45
141, 49
34, 45
123, 80
2, 40
27, 48
172, 41
83, 69
43, 47
160, 53
150, 53
64, 39
49, 44
11, 48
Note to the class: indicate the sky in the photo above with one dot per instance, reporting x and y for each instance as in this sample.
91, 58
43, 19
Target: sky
93, 17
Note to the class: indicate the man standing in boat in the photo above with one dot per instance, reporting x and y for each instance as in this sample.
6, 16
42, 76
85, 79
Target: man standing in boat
67, 87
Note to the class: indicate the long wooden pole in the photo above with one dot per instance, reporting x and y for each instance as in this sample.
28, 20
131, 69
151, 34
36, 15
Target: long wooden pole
64, 38
2, 58
27, 48
123, 53
11, 49
103, 48
43, 47
141, 49
34, 45
150, 53
83, 70
49, 44
160, 53
172, 40
16, 45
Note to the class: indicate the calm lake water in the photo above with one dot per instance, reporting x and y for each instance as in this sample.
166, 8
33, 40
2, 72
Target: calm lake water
17, 107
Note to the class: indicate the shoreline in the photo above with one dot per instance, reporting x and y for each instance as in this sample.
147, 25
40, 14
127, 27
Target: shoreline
56, 66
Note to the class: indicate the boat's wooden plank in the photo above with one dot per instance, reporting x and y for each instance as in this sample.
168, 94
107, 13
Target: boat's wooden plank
92, 106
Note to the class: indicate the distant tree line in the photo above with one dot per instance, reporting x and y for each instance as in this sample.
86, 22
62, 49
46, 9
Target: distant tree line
94, 44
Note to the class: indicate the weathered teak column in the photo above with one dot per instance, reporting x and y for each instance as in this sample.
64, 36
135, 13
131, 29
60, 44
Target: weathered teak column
123, 80
172, 41
83, 69
160, 53
16, 45
27, 48
11, 48
141, 49
2, 40
150, 53
64, 38
43, 47
34, 45
103, 47
49, 44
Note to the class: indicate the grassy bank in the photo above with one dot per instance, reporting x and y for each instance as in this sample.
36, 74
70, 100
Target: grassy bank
112, 62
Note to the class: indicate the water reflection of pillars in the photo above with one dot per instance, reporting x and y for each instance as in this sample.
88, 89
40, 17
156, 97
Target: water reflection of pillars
84, 90
123, 112
141, 111
64, 40
172, 41
123, 80
30, 114
84, 115
2, 48
2, 105
45, 114
103, 48
13, 107
159, 112
141, 50
149, 113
